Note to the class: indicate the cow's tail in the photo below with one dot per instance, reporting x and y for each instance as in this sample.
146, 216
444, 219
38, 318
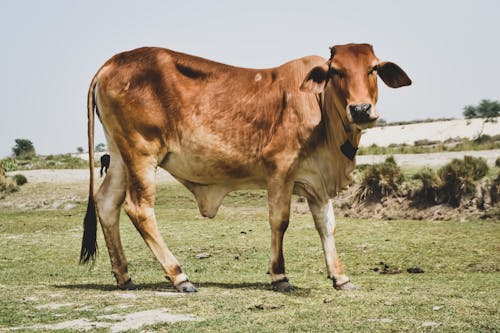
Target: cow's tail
89, 241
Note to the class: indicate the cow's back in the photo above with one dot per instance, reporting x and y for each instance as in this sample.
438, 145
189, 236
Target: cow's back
205, 120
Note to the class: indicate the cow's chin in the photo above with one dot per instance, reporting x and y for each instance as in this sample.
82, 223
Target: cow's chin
366, 124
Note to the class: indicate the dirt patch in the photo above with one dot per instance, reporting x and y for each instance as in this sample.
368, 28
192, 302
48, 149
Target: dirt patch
115, 322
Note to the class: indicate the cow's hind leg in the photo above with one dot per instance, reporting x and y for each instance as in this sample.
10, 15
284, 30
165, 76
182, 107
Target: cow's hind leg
139, 202
109, 200
279, 197
324, 220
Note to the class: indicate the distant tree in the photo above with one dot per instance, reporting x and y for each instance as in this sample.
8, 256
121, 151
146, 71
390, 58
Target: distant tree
100, 147
79, 150
487, 110
23, 149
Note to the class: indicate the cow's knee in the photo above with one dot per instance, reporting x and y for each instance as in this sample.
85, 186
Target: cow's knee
138, 213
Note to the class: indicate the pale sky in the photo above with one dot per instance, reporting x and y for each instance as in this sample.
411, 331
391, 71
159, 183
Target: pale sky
51, 49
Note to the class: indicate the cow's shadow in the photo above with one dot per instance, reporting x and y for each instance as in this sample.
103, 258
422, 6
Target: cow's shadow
165, 286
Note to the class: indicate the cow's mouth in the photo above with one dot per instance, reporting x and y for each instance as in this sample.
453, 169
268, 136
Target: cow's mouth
367, 123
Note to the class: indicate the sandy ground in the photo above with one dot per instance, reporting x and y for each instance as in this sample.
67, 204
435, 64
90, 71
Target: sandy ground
434, 131
74, 176
433, 159
115, 322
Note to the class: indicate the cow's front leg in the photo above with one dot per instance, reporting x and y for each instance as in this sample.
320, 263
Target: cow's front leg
279, 196
324, 220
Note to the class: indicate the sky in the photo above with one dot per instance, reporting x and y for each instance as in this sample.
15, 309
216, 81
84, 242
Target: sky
51, 49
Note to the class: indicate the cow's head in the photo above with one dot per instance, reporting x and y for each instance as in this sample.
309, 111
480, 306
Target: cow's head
350, 75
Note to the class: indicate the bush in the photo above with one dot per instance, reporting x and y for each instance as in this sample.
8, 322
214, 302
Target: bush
7, 185
380, 180
431, 185
425, 142
20, 179
2, 172
497, 162
495, 189
9, 164
458, 178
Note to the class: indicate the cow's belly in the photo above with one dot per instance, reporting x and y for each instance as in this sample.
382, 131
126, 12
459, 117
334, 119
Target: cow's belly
205, 169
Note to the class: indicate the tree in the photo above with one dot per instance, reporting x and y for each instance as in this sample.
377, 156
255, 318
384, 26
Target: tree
79, 150
100, 147
488, 110
23, 149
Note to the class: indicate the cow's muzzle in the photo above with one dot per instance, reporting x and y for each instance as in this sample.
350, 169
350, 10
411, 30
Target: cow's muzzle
362, 113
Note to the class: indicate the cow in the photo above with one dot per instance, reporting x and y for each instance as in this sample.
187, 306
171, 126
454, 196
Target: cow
292, 129
105, 160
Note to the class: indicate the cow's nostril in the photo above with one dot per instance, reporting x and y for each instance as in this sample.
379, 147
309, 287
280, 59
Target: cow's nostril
360, 112
365, 108
357, 108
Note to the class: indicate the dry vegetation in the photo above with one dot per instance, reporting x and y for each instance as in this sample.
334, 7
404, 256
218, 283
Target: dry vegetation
462, 189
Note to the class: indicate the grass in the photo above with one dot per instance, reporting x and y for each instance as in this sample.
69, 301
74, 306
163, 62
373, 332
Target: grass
59, 161
41, 283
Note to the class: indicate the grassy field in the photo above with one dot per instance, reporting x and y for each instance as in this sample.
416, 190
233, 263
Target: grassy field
43, 288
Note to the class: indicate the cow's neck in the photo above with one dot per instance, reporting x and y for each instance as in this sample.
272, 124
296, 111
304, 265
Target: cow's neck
337, 127
336, 163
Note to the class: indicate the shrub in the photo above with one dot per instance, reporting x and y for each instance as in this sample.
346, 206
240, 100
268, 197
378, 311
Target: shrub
2, 172
458, 178
380, 180
497, 162
425, 142
20, 179
9, 164
495, 189
7, 186
431, 185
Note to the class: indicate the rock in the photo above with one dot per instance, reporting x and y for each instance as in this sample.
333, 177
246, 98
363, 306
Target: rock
436, 308
265, 306
415, 270
203, 255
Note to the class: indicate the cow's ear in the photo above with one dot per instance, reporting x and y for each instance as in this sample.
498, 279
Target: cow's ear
315, 80
393, 75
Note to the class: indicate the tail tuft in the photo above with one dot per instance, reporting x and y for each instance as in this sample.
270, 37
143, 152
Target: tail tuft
89, 241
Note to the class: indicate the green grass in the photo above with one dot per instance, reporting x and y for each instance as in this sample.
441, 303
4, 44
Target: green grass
39, 254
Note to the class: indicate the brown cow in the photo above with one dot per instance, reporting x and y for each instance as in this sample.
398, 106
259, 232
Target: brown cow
218, 128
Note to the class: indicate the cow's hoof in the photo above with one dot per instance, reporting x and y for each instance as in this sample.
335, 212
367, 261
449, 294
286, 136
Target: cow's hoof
346, 286
282, 286
186, 287
129, 285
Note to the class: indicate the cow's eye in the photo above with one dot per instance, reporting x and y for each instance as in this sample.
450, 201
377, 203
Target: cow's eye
373, 70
